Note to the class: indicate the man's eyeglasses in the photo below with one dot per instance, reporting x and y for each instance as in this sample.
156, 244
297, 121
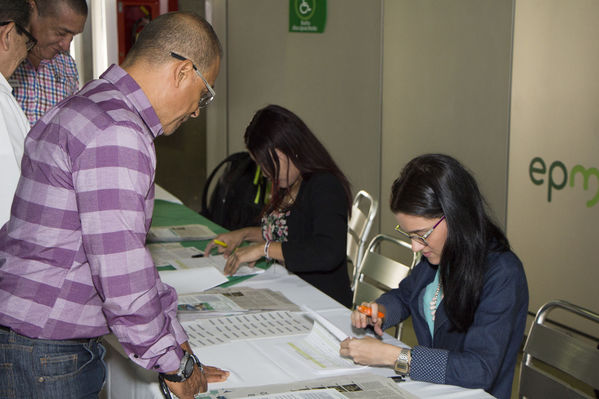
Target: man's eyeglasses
206, 97
421, 239
31, 41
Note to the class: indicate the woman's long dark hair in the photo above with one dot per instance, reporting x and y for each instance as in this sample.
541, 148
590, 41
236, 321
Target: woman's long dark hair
275, 127
434, 185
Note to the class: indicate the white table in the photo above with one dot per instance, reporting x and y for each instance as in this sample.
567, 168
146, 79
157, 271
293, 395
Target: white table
127, 380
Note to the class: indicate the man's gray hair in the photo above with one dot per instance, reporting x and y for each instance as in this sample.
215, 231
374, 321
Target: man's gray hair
184, 33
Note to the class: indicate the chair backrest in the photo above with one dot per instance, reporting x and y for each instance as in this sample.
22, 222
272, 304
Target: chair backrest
552, 356
378, 274
364, 210
238, 194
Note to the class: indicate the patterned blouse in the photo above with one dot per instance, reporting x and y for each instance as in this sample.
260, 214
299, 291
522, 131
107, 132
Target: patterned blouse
274, 226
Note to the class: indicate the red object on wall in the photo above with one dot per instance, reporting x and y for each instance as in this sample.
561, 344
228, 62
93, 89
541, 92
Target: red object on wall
132, 16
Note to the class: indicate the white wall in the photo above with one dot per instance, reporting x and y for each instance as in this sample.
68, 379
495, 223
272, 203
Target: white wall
446, 84
555, 98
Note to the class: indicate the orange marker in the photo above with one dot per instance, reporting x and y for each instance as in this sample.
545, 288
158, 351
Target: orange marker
368, 311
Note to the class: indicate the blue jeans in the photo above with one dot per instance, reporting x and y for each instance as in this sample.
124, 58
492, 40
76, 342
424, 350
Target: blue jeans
38, 368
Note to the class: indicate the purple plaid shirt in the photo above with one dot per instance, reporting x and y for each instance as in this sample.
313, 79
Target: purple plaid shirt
38, 90
73, 257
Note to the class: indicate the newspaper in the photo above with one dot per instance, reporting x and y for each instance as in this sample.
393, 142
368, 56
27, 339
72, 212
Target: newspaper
226, 301
256, 298
352, 386
188, 232
163, 254
328, 393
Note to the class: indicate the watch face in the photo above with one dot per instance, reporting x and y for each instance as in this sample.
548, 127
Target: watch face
188, 369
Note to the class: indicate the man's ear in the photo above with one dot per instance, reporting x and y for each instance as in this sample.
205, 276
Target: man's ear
183, 71
34, 10
5, 35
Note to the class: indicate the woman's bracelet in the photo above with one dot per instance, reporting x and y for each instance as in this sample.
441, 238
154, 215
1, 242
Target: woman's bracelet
266, 246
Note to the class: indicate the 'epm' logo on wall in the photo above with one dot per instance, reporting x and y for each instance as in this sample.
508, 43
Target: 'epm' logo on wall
558, 177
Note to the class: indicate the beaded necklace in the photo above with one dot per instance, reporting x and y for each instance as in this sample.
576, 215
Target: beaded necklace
433, 305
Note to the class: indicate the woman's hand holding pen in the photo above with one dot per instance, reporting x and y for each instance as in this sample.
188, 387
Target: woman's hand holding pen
361, 319
369, 351
226, 242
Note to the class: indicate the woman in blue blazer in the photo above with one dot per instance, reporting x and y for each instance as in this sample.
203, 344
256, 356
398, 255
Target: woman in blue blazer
468, 297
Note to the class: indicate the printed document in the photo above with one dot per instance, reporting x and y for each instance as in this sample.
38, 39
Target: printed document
320, 349
214, 331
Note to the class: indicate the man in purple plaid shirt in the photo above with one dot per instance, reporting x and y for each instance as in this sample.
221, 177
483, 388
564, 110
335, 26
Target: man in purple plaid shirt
73, 261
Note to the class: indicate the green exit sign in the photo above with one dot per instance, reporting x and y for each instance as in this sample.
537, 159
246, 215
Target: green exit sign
307, 16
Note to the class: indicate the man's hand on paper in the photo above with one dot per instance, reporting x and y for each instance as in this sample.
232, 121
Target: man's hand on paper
369, 351
361, 320
249, 254
198, 381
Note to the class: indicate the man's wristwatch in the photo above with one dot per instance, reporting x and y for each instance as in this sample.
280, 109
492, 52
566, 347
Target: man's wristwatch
402, 364
185, 368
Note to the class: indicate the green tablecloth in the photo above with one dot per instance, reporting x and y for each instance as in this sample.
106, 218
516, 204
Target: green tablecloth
171, 214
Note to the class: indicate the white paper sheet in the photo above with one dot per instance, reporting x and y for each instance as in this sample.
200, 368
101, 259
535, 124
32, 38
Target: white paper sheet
219, 262
186, 281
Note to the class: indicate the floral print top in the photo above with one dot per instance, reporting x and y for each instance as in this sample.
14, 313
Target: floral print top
274, 226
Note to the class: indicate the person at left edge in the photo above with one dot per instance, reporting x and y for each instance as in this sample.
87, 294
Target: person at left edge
74, 265
15, 43
49, 73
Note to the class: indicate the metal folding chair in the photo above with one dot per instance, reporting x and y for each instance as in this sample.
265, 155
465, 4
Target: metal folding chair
553, 357
364, 210
378, 274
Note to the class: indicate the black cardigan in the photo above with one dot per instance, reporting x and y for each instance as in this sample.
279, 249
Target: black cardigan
315, 249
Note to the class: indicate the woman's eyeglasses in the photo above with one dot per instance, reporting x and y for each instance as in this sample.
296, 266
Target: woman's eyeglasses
421, 239
31, 41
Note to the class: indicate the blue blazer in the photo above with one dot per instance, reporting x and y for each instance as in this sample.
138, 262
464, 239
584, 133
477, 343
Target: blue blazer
485, 355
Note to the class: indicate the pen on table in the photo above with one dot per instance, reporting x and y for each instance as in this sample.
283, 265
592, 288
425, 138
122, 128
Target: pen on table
217, 242
368, 311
